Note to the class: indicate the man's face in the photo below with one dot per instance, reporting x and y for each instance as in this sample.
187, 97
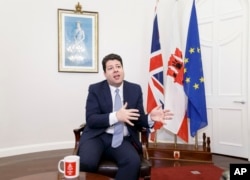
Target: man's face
114, 73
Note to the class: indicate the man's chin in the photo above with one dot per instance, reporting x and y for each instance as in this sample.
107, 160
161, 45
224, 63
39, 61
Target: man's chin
117, 83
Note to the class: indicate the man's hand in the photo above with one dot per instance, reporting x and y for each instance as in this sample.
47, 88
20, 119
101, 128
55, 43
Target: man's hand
125, 115
158, 114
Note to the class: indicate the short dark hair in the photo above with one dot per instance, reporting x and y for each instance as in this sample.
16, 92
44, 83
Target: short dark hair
110, 57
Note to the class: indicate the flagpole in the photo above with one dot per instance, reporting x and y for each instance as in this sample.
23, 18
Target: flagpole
175, 141
156, 131
196, 141
155, 139
156, 5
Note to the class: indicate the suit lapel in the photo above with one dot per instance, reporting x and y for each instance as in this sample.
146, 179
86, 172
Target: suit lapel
125, 92
107, 96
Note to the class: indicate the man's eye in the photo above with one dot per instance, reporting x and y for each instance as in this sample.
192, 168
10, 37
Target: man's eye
110, 68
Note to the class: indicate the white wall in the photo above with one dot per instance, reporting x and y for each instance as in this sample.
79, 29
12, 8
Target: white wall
39, 106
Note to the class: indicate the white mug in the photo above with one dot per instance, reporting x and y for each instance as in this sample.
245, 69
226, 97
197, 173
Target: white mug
70, 166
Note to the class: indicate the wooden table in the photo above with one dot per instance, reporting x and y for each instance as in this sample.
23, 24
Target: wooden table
56, 176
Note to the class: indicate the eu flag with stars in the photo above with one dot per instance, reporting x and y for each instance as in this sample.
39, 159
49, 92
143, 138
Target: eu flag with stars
193, 78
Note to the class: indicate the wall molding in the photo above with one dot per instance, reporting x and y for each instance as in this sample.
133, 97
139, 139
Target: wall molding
18, 150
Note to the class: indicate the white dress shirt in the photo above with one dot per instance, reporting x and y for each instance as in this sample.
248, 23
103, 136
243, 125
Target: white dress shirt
112, 116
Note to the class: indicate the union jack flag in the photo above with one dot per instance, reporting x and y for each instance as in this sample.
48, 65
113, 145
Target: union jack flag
155, 95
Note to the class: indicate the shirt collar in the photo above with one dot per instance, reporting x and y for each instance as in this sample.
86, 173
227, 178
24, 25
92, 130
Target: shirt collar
113, 88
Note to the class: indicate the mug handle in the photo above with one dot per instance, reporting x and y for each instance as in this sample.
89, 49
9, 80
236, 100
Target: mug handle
59, 166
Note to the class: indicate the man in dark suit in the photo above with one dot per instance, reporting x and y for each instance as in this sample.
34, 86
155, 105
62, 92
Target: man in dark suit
101, 119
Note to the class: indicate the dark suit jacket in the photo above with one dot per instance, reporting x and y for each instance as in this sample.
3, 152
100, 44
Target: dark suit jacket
99, 105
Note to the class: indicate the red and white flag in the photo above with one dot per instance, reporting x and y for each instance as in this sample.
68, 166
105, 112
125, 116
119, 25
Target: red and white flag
175, 98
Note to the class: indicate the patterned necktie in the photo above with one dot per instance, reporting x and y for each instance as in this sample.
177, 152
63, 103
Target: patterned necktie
118, 127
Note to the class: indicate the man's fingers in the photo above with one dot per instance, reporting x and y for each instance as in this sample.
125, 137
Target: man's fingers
167, 117
133, 110
129, 122
133, 118
126, 115
135, 114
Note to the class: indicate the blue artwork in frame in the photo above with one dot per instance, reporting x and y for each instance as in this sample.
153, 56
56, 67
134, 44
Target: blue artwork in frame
78, 41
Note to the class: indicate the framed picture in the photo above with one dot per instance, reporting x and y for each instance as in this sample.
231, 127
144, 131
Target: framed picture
77, 40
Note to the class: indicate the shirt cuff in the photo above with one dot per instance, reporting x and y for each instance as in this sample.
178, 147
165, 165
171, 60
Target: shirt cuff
112, 118
150, 122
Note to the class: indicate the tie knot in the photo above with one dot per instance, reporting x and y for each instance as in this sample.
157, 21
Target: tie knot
117, 91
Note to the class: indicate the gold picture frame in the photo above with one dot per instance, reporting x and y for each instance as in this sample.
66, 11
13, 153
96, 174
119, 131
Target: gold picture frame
77, 40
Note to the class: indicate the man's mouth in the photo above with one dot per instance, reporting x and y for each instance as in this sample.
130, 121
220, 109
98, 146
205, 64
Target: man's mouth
117, 76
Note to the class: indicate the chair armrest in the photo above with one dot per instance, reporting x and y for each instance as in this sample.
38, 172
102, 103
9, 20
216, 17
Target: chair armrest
144, 141
145, 152
77, 133
144, 136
